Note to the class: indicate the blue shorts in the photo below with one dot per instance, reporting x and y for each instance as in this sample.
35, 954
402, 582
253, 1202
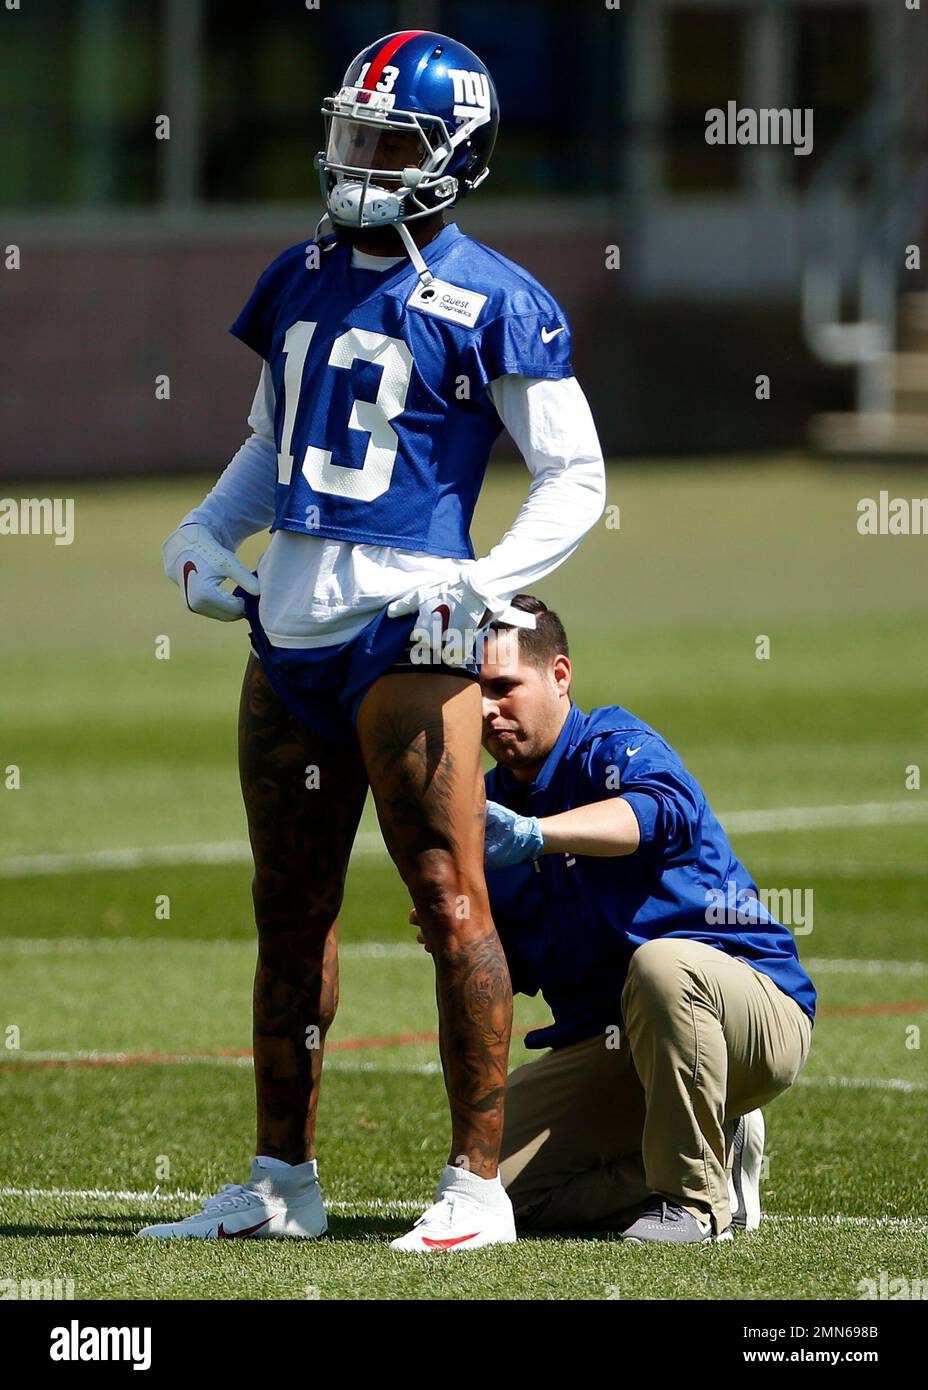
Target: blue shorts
323, 687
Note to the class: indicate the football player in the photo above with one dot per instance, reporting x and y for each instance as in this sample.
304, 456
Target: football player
395, 349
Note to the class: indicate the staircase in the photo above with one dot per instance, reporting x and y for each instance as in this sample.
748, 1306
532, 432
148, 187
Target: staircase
865, 204
901, 429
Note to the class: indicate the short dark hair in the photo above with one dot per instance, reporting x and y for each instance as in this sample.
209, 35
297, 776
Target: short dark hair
541, 644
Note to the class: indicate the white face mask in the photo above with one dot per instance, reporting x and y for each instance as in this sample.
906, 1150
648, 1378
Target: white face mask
372, 168
361, 203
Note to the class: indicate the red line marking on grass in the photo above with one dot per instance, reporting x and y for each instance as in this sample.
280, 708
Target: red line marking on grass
398, 1040
141, 1059
905, 1006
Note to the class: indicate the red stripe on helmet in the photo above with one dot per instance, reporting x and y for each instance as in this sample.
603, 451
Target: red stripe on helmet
375, 71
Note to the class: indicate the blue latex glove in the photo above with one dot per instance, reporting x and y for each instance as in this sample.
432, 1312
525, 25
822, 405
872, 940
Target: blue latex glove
510, 838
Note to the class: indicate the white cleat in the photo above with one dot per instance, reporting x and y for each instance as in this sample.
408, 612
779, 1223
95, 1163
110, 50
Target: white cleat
744, 1184
275, 1203
457, 1220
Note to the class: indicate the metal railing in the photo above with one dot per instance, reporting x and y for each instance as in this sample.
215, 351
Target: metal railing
867, 199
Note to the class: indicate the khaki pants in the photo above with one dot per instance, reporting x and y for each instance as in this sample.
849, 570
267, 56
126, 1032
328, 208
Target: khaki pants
592, 1129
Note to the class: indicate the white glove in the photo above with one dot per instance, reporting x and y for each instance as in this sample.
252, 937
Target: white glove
451, 615
199, 565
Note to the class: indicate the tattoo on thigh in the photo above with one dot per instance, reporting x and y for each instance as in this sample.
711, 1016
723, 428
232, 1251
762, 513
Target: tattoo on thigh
415, 776
301, 828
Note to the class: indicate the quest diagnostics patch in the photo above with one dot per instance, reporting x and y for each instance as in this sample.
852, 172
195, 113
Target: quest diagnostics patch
448, 302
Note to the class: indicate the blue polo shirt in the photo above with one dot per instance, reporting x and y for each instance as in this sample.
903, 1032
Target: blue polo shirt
570, 923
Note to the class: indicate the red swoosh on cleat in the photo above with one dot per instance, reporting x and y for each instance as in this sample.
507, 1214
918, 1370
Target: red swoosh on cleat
190, 566
447, 1244
223, 1234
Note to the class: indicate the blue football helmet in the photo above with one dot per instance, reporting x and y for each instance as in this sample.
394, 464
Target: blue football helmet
410, 131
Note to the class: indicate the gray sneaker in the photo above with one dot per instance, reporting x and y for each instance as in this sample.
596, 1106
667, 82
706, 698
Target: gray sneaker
661, 1221
744, 1184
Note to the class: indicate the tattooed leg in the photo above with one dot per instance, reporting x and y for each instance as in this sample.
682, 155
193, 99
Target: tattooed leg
420, 736
301, 836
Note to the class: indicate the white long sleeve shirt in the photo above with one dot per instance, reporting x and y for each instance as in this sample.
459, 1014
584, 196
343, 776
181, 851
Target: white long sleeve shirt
317, 591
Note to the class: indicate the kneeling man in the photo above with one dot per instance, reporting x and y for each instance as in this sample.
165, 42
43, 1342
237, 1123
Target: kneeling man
673, 1022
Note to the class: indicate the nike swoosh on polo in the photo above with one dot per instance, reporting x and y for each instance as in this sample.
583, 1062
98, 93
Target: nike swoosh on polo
448, 1242
223, 1234
445, 612
548, 333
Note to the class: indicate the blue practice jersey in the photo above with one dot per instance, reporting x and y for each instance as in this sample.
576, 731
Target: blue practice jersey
570, 924
383, 421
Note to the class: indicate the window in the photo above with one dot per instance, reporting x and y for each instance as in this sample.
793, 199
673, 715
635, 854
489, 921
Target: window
832, 72
266, 69
79, 88
82, 82
704, 69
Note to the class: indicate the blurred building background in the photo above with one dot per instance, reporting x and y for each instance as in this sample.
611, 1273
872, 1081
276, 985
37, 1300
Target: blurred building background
135, 253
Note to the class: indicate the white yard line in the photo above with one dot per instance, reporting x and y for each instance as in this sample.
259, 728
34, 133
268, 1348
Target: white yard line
799, 870
864, 1083
825, 817
400, 1068
154, 1058
851, 1083
217, 852
825, 965
893, 1223
370, 842
362, 950
104, 1194
400, 1206
91, 946
161, 1058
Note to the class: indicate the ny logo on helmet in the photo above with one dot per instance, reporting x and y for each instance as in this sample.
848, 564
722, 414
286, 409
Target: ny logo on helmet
471, 92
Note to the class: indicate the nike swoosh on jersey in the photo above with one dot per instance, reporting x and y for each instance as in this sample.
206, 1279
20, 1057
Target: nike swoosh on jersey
548, 333
630, 752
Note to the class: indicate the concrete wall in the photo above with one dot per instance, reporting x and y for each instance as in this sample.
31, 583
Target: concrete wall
91, 319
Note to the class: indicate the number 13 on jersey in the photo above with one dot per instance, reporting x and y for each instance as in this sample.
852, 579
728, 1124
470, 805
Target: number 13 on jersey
370, 417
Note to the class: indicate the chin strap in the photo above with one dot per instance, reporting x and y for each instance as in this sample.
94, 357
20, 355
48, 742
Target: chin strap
318, 234
415, 255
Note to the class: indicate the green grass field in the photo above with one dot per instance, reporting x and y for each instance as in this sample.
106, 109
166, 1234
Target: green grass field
129, 793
